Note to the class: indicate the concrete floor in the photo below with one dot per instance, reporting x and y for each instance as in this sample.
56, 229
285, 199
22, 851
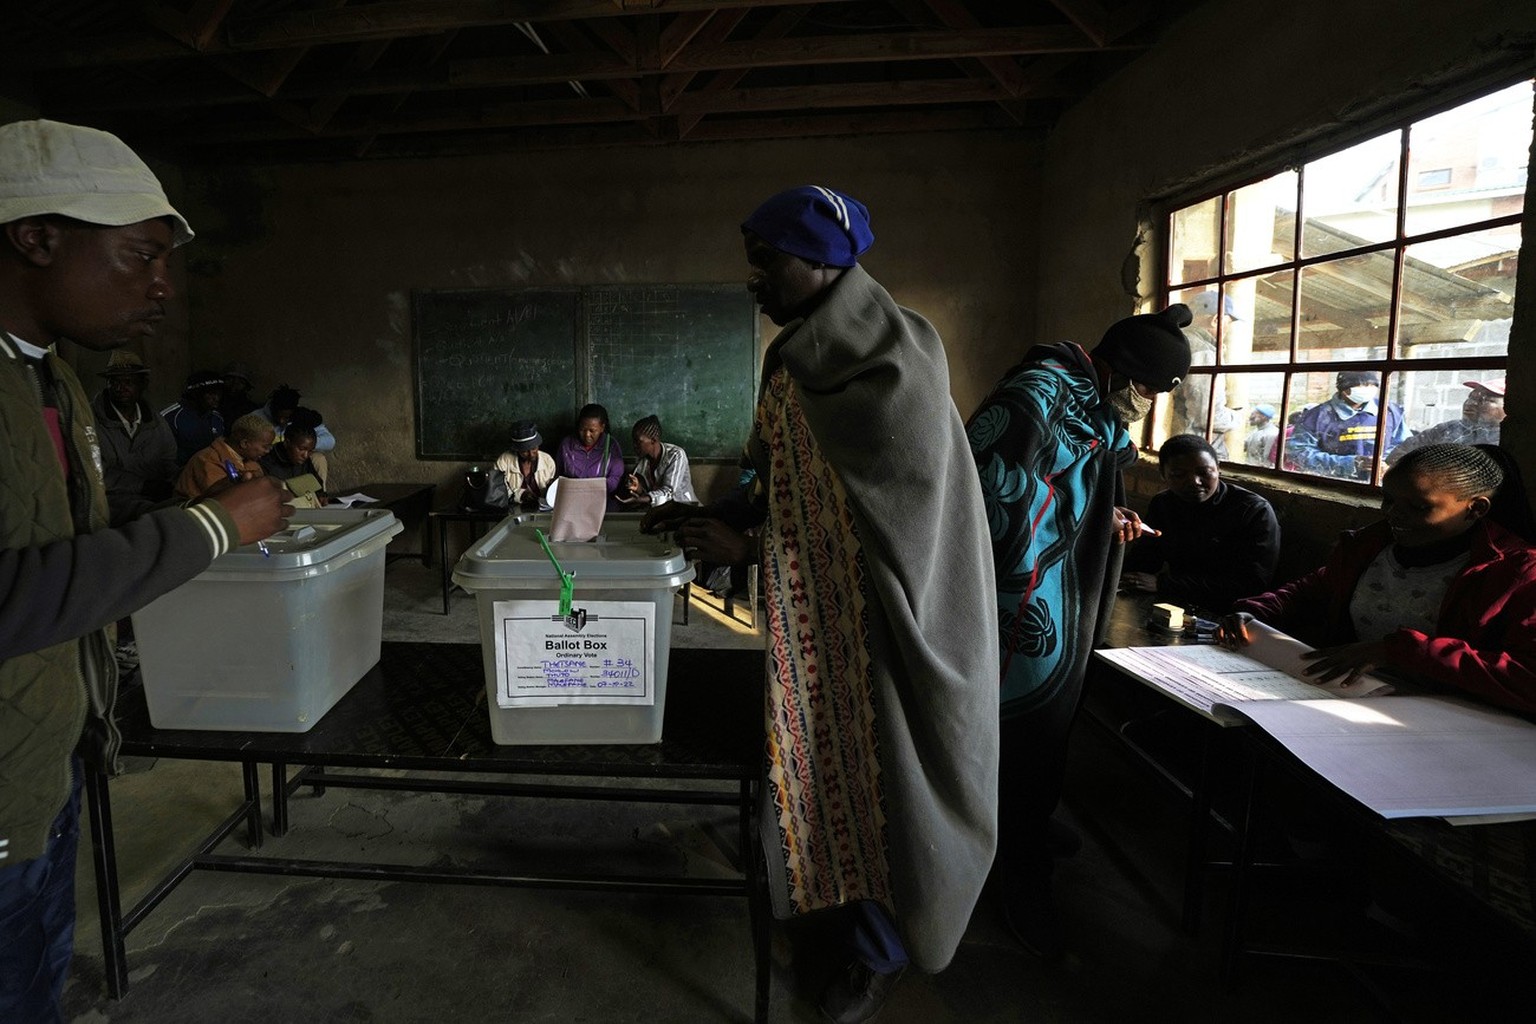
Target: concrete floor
235, 948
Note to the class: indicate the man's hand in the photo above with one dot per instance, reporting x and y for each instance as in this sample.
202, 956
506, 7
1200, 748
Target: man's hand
710, 540
258, 507
1346, 661
667, 517
1139, 581
1127, 525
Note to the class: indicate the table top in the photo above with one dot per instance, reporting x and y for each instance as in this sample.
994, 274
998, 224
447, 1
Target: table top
472, 514
423, 707
1130, 624
388, 493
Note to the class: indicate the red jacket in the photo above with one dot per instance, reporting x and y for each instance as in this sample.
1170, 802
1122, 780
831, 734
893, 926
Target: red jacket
1485, 638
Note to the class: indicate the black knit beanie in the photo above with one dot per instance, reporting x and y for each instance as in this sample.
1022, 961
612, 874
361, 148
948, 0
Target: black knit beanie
1150, 349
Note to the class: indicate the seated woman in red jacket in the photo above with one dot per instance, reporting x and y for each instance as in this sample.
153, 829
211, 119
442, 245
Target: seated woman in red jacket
1439, 593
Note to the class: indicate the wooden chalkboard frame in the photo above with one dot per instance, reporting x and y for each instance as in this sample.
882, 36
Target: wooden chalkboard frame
568, 329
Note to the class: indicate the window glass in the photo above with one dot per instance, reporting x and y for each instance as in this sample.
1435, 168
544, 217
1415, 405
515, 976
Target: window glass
1346, 308
1194, 240
1331, 423
1266, 335
1349, 199
1261, 224
1252, 420
1469, 164
1459, 295
1451, 407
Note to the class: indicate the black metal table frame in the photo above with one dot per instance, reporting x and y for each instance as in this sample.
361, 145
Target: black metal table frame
318, 771
440, 521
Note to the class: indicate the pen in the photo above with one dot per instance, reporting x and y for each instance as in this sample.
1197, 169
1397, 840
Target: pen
234, 474
1147, 528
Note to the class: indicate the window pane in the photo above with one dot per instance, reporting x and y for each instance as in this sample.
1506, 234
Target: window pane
1187, 406
1345, 308
1251, 402
1469, 164
1451, 407
1331, 423
1349, 199
1459, 295
1202, 331
1262, 334
1193, 246
1261, 224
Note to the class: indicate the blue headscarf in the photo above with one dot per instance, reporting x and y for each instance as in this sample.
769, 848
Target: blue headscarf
817, 224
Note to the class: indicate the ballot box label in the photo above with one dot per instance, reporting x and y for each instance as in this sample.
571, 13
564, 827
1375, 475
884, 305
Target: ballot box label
602, 652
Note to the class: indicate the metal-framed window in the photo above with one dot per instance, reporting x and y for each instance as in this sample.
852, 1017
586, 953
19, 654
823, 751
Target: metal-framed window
1391, 257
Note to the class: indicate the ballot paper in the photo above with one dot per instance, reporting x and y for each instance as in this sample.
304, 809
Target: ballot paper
348, 500
579, 508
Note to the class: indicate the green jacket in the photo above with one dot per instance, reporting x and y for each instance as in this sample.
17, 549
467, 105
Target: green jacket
65, 578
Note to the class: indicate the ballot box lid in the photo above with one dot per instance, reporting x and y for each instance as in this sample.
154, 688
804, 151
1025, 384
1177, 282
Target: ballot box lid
511, 556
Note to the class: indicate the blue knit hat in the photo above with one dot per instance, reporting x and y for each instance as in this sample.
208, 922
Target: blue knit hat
817, 224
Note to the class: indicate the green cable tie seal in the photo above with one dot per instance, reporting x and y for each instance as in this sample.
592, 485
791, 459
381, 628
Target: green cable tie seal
567, 579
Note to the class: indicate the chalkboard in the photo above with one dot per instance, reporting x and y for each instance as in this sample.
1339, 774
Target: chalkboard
687, 353
487, 357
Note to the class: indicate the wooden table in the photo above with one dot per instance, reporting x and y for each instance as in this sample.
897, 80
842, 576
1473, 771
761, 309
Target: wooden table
410, 503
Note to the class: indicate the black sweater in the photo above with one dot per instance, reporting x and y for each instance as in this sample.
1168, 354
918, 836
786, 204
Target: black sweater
1211, 553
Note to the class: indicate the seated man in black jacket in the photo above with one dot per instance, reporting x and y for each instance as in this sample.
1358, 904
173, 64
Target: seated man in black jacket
1218, 542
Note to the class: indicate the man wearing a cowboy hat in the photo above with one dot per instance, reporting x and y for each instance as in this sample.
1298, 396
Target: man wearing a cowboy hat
138, 450
521, 475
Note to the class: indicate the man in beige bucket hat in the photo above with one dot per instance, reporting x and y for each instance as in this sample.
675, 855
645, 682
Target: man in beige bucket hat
87, 233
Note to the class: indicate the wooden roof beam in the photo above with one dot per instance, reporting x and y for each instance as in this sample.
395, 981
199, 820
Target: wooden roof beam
757, 53
832, 97
416, 17
1089, 16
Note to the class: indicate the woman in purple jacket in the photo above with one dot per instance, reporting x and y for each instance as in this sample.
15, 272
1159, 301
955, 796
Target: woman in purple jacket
1438, 594
593, 451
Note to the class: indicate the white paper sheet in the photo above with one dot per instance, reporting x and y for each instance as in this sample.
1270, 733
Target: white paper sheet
1284, 652
604, 652
1407, 757
348, 500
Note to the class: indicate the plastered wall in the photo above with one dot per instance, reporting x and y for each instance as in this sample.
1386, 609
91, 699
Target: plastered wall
304, 272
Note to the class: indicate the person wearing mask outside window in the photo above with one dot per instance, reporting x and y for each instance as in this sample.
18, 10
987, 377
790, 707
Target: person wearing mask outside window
1338, 437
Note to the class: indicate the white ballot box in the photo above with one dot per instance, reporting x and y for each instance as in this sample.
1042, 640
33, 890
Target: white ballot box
270, 642
596, 673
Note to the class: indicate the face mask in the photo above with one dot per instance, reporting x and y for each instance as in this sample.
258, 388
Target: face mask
1360, 395
1130, 404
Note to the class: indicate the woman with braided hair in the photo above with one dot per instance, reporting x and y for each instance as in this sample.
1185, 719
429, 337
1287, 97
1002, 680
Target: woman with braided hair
1439, 593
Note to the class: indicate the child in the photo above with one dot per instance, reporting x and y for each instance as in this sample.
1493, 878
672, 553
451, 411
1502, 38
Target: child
1218, 542
1438, 593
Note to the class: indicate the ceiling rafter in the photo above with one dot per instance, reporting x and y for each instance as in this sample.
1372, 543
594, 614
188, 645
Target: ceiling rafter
337, 79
